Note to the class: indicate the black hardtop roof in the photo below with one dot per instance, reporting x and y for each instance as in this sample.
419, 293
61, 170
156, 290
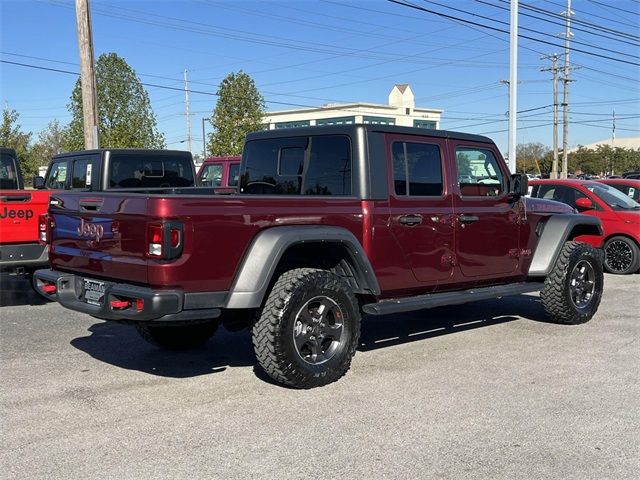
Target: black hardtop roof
8, 151
352, 128
123, 150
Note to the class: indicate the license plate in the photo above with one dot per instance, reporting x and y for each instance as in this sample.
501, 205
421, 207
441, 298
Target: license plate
93, 292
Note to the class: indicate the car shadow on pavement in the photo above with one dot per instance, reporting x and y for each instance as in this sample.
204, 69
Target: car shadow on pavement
16, 291
121, 346
389, 330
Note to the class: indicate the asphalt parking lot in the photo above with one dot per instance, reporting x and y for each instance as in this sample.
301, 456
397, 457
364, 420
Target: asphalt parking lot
483, 390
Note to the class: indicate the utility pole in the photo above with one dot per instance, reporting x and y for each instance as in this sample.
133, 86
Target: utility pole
554, 71
513, 84
204, 140
87, 75
565, 102
188, 115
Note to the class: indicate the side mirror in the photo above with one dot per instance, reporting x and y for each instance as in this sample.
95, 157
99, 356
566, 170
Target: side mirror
519, 185
38, 182
583, 203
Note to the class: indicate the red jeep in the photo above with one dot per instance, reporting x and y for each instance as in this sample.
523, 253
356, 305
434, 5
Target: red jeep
328, 222
619, 213
219, 172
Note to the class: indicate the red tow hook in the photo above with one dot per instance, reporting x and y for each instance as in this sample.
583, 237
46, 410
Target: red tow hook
49, 289
120, 304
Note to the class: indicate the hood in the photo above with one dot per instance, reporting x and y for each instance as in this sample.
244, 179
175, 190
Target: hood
541, 205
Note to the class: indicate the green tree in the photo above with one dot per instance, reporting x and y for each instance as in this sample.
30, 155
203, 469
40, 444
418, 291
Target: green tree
529, 156
126, 117
12, 136
239, 110
50, 142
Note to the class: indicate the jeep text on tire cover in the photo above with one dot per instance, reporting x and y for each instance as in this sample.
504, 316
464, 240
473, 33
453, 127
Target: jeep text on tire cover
328, 223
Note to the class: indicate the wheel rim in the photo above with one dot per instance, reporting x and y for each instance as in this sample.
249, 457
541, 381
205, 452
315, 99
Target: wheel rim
318, 330
619, 256
583, 284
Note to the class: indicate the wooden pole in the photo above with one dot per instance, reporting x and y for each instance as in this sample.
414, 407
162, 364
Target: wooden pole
87, 75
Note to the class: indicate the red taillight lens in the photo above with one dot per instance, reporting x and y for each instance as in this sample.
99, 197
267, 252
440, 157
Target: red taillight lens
43, 230
155, 234
139, 304
175, 237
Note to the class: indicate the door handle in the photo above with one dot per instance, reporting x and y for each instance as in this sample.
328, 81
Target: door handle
411, 220
468, 218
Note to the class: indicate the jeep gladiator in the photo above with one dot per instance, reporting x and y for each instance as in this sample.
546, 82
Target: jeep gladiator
23, 242
328, 223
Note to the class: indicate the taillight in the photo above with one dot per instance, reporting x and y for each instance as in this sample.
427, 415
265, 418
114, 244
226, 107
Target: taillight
164, 240
43, 228
155, 236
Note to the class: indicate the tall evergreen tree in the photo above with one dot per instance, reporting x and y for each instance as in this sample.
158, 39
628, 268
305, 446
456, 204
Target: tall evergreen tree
239, 110
12, 136
126, 117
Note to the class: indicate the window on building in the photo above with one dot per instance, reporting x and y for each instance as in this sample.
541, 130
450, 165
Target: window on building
424, 124
300, 123
336, 121
417, 169
378, 120
316, 165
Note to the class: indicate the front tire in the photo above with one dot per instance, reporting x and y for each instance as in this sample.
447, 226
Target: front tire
621, 256
308, 330
573, 289
178, 337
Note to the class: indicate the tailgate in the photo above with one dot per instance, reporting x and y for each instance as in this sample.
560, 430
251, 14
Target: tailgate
102, 236
19, 212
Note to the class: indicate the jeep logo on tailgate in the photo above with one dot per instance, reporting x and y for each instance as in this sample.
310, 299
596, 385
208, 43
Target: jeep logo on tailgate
90, 230
18, 213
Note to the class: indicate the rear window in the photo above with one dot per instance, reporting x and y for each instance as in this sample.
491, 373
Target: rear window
315, 165
133, 170
8, 173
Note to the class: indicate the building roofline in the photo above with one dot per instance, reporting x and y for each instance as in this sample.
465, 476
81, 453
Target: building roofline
344, 106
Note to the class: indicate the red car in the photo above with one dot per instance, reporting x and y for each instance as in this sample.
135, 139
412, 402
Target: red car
219, 172
619, 213
628, 186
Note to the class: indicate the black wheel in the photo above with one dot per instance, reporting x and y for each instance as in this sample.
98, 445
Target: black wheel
308, 330
178, 337
621, 256
573, 289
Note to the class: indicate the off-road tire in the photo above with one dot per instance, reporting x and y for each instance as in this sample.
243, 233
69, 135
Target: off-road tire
178, 337
621, 256
274, 328
557, 292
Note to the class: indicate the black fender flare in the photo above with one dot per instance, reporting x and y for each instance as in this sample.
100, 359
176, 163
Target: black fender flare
557, 230
263, 255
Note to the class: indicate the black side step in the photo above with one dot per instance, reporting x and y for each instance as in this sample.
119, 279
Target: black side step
432, 300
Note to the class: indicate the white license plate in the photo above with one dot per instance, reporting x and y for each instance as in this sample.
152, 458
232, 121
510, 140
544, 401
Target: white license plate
93, 292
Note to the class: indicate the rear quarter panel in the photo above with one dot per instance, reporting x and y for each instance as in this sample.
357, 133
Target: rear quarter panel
19, 214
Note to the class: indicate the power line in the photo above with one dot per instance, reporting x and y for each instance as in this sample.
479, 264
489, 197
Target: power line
451, 17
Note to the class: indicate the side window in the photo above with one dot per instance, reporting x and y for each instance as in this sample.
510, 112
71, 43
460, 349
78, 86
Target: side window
211, 175
234, 172
560, 193
57, 179
417, 169
8, 173
319, 165
479, 173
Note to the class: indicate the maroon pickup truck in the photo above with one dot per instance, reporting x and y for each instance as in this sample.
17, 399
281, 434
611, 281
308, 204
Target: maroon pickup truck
328, 223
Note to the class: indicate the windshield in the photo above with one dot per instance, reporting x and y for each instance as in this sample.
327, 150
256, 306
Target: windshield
613, 197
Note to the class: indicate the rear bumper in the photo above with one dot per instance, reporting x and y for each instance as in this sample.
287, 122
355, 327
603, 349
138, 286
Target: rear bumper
158, 305
25, 255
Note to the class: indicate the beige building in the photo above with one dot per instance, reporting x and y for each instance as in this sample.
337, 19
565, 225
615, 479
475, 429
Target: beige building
401, 110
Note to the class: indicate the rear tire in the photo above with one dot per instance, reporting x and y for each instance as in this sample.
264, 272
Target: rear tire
178, 337
308, 330
621, 256
573, 289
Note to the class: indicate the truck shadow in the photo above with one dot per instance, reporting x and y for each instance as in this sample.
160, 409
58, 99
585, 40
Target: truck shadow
121, 346
16, 291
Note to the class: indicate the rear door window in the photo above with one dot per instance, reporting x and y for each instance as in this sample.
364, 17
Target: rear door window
8, 173
315, 165
417, 169
234, 174
212, 175
84, 174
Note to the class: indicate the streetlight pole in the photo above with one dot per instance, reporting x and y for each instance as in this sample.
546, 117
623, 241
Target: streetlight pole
513, 84
204, 139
